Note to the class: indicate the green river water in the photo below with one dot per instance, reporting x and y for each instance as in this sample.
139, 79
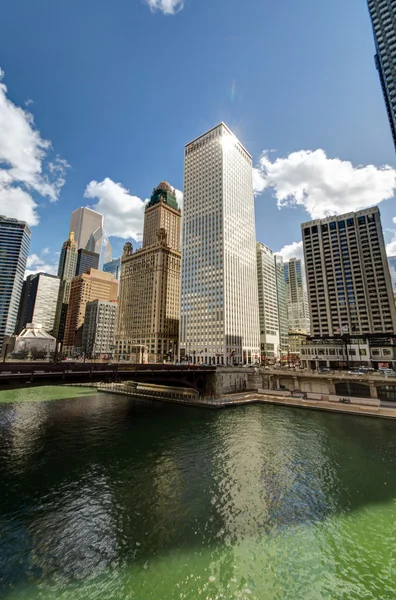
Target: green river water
106, 498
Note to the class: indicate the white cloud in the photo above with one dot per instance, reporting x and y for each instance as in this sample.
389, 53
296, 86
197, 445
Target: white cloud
322, 185
123, 213
179, 198
23, 166
391, 247
293, 250
18, 204
38, 264
168, 7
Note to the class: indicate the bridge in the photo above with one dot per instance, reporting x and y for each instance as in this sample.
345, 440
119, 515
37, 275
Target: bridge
207, 380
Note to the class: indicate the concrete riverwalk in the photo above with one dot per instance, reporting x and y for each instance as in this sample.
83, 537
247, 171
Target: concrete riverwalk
189, 398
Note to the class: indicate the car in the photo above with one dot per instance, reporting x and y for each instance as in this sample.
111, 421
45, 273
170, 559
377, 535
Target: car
323, 370
389, 372
356, 372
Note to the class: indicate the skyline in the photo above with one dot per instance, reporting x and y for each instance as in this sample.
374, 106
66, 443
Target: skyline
308, 158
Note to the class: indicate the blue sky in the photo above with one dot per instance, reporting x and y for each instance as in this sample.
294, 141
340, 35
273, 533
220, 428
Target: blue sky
119, 88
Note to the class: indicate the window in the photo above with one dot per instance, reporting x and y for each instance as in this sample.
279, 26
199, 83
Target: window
333, 225
325, 227
362, 220
341, 224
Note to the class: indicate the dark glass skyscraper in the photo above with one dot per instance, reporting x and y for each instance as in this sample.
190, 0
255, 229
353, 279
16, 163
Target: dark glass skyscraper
14, 249
383, 18
86, 260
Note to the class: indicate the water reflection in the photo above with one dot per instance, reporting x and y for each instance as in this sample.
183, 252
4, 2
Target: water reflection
107, 498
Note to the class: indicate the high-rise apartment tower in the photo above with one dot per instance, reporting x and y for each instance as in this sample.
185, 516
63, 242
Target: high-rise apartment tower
349, 286
383, 18
14, 249
219, 304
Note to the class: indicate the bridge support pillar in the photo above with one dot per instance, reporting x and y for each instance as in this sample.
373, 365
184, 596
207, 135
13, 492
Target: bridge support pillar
373, 390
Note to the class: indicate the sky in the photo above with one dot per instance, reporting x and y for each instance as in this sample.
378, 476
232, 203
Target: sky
99, 98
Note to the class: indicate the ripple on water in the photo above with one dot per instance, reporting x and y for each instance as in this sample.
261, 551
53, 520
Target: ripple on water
109, 498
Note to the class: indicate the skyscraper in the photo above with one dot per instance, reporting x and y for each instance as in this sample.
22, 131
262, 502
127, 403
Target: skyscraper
94, 285
219, 304
114, 267
66, 272
149, 295
39, 301
383, 18
87, 226
86, 259
14, 249
392, 270
282, 308
99, 328
349, 286
272, 304
296, 296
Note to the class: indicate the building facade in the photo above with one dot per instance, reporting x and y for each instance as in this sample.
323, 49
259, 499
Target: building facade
14, 249
392, 270
113, 267
296, 296
87, 226
99, 329
39, 301
66, 272
349, 285
94, 285
272, 304
383, 19
149, 295
348, 352
86, 260
219, 299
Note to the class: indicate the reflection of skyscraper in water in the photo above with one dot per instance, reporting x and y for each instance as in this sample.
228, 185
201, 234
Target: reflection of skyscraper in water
88, 228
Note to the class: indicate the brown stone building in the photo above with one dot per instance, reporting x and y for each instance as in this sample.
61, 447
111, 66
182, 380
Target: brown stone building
93, 285
149, 299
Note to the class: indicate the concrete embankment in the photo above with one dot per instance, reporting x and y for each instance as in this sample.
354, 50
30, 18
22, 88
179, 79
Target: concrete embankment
190, 398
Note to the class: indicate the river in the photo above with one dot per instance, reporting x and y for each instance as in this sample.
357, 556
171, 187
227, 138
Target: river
106, 498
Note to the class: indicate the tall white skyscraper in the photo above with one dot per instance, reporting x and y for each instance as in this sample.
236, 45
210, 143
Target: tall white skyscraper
296, 296
219, 301
272, 304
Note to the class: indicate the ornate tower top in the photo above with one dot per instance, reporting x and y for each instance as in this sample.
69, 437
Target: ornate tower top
165, 187
128, 249
163, 193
